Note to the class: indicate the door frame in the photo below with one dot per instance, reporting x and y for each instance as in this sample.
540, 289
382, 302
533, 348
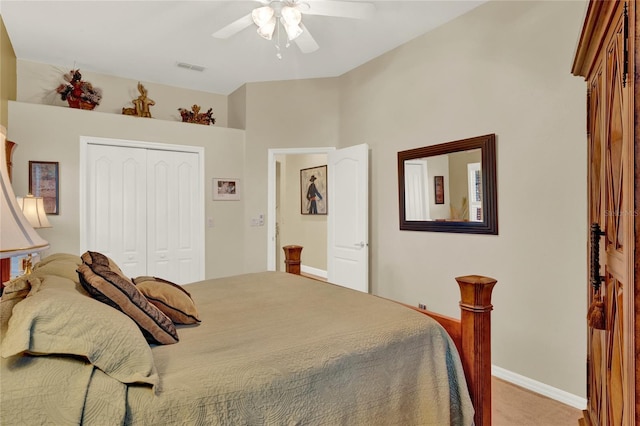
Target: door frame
271, 194
85, 141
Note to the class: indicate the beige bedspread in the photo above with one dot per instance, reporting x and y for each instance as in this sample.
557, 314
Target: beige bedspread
272, 349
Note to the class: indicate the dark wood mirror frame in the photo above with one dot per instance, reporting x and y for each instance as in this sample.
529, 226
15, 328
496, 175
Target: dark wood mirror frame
489, 225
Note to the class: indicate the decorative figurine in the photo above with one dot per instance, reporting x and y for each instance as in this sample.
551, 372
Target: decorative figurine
195, 116
140, 105
79, 94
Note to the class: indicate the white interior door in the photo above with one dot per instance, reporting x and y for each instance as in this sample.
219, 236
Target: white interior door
116, 214
348, 217
172, 219
417, 190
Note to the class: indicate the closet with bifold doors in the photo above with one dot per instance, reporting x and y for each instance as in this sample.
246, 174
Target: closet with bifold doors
142, 205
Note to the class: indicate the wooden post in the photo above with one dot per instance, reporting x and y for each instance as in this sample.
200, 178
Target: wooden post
5, 264
292, 258
475, 319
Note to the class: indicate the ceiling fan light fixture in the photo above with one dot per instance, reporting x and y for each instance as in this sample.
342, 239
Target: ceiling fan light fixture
293, 31
290, 16
266, 30
262, 15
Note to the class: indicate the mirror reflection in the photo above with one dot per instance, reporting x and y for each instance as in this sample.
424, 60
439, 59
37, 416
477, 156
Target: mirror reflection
444, 187
449, 187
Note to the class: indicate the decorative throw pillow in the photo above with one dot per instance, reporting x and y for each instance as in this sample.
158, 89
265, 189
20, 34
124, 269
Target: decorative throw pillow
105, 282
170, 298
65, 322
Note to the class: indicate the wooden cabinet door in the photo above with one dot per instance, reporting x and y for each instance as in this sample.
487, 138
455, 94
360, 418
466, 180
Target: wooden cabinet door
610, 353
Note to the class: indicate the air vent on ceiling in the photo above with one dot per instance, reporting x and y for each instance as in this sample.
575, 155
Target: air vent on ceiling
191, 66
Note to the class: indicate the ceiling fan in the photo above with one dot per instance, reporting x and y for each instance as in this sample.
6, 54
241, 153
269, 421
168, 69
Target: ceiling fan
273, 15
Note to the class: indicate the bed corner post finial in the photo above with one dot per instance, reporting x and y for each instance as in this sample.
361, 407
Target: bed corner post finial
476, 307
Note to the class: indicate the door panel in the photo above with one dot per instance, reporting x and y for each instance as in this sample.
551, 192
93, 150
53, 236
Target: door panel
611, 358
116, 215
417, 204
348, 217
172, 220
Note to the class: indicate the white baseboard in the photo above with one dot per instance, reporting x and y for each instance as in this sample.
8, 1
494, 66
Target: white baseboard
539, 387
313, 271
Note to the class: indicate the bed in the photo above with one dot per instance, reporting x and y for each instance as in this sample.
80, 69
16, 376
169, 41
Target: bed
267, 348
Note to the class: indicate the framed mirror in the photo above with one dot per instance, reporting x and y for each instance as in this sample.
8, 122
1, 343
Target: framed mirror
449, 187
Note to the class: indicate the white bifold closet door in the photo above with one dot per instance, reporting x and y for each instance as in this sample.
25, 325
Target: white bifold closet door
142, 210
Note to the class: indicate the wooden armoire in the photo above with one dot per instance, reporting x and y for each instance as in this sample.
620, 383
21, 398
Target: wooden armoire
607, 57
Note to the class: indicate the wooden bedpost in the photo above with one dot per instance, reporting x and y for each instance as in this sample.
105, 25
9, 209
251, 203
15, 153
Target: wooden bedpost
292, 258
475, 321
471, 334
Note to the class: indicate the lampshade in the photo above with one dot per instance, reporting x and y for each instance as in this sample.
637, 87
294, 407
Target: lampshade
33, 209
17, 236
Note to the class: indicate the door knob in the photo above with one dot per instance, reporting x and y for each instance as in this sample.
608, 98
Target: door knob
361, 244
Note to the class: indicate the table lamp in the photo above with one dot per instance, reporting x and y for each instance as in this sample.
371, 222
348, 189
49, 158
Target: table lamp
17, 236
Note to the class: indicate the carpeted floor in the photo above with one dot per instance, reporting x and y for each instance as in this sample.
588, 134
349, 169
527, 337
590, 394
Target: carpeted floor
515, 406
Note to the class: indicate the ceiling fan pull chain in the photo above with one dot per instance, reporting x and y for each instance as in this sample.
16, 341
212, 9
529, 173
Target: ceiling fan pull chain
278, 53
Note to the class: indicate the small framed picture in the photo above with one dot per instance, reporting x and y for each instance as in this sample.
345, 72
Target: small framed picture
439, 189
44, 182
226, 189
313, 190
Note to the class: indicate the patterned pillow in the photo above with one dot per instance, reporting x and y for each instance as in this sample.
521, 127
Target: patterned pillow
104, 281
170, 298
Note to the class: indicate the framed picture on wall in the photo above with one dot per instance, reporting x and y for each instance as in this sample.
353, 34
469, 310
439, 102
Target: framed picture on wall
439, 189
226, 189
313, 190
44, 182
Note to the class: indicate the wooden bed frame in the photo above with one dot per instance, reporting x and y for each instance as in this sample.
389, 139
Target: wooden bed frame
471, 333
472, 336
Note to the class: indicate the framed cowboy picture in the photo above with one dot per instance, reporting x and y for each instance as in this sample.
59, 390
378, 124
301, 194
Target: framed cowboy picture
313, 190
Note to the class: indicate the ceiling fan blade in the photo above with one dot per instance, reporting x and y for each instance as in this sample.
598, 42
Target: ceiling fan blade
343, 9
234, 27
305, 41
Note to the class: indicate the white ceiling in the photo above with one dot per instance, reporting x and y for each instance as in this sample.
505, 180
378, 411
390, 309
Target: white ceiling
144, 40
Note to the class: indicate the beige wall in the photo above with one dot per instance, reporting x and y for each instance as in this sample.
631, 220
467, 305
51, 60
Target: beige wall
503, 68
237, 108
7, 74
56, 137
287, 114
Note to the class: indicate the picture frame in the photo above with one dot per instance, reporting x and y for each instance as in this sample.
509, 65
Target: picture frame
44, 181
226, 189
313, 191
438, 182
